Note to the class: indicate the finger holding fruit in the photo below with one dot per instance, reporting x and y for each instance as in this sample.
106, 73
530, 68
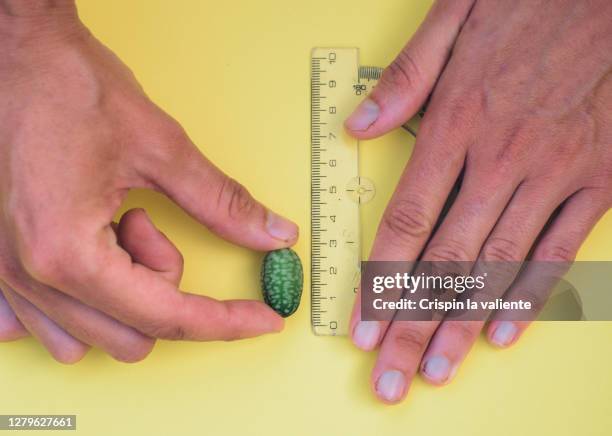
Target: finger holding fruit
79, 134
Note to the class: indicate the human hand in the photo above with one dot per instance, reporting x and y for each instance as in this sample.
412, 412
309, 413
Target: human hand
521, 104
77, 133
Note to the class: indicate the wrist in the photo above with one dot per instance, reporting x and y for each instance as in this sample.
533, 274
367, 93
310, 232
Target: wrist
30, 21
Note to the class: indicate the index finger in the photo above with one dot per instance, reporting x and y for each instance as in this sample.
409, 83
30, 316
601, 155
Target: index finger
103, 276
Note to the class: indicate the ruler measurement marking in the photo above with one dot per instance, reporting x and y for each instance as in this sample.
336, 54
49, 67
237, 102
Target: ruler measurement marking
315, 198
335, 250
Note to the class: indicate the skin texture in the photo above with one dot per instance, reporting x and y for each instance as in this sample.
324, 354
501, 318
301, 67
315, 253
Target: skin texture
77, 133
282, 280
521, 102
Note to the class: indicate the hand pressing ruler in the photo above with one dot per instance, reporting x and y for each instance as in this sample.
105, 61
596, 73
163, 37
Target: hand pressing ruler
338, 84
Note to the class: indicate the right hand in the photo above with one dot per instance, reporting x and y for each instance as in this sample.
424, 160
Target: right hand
77, 133
520, 112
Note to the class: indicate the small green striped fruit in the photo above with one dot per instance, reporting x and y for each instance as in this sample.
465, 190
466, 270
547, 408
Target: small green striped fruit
282, 281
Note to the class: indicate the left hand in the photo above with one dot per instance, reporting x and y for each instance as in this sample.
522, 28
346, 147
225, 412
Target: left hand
522, 105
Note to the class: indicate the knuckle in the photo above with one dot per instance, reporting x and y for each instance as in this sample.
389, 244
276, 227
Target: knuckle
453, 120
234, 199
555, 253
166, 324
54, 257
45, 261
403, 72
174, 332
408, 221
169, 330
58, 262
502, 250
410, 341
449, 252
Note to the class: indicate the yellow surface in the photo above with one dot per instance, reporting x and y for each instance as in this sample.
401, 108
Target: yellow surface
236, 74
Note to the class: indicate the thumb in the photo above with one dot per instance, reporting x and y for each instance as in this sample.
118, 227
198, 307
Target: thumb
406, 83
220, 202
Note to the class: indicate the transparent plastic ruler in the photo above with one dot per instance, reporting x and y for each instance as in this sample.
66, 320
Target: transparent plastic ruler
338, 84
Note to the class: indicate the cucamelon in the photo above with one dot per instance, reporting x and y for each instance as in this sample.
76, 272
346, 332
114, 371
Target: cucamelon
282, 280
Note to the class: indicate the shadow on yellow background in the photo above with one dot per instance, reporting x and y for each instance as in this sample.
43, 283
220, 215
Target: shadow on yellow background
236, 75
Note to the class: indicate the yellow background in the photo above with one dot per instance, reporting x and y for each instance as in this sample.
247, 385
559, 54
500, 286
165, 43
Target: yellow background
236, 74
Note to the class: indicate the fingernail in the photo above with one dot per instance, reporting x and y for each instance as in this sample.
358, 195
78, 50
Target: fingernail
504, 334
390, 385
363, 116
437, 369
280, 228
366, 334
